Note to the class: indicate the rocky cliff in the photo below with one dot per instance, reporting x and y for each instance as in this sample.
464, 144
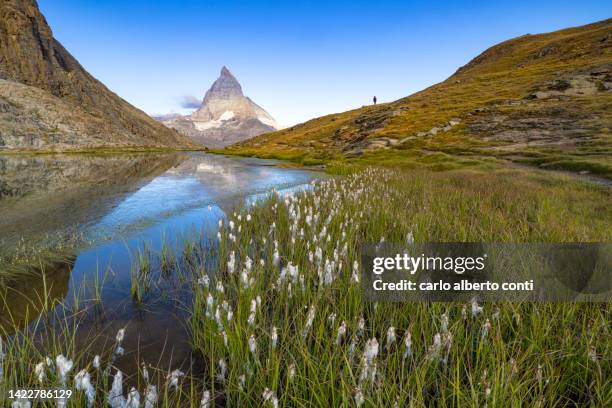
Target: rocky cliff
49, 101
225, 117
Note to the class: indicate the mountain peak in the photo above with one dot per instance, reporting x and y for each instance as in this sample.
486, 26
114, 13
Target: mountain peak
225, 72
225, 87
225, 116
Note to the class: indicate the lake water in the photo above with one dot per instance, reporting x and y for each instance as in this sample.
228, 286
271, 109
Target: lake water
83, 219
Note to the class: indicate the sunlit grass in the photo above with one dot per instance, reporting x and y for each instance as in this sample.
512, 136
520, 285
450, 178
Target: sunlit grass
278, 315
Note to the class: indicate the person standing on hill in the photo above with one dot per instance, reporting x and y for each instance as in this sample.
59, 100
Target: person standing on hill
375, 100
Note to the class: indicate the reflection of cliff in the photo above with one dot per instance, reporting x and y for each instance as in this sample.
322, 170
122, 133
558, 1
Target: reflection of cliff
24, 299
46, 195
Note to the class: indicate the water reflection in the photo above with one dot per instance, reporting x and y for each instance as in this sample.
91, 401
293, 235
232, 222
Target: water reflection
118, 206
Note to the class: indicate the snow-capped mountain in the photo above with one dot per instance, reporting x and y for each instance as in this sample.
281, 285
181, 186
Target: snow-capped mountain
225, 117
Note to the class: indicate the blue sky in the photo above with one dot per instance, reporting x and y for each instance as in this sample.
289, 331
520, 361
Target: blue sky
298, 59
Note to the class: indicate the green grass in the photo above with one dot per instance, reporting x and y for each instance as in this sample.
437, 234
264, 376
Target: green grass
507, 72
533, 354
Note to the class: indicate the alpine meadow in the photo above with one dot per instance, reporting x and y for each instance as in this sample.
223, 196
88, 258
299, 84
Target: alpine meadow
219, 262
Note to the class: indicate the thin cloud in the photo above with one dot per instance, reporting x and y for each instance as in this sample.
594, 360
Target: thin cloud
190, 102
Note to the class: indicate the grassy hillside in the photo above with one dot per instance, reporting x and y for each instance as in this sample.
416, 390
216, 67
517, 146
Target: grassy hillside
537, 99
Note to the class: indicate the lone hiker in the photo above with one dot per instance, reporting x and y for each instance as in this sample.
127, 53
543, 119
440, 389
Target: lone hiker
375, 100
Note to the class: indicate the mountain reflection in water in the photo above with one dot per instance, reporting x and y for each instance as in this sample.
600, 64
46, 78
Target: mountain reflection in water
79, 220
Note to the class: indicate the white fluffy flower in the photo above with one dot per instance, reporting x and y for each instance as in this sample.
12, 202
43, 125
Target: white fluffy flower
355, 276
309, 320
390, 337
115, 395
133, 399
434, 349
358, 397
231, 263
151, 396
96, 362
253, 344
407, 345
63, 367
204, 281
270, 396
274, 337
21, 403
205, 401
39, 371
475, 308
485, 328
82, 382
173, 378
120, 336
371, 349
291, 372
222, 370
341, 333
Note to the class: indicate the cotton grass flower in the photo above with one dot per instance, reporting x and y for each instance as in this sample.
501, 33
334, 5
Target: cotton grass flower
231, 263
253, 345
225, 339
174, 377
360, 326
133, 399
204, 281
407, 345
359, 400
355, 275
145, 373
269, 396
444, 322
151, 396
341, 333
433, 353
63, 366
205, 401
119, 351
592, 354
291, 372
274, 337
222, 370
82, 382
39, 371
371, 349
96, 362
475, 308
353, 346
485, 329
120, 336
309, 320
368, 363
390, 337
115, 395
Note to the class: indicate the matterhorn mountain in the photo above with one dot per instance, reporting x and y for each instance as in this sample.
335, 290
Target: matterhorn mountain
225, 117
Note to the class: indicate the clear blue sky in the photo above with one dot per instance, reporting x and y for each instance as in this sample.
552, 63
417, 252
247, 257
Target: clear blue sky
298, 59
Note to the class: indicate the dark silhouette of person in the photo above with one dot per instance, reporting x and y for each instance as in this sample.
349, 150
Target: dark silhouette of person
375, 100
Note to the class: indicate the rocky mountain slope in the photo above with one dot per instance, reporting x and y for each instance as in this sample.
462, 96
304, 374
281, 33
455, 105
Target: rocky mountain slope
226, 116
49, 101
542, 100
